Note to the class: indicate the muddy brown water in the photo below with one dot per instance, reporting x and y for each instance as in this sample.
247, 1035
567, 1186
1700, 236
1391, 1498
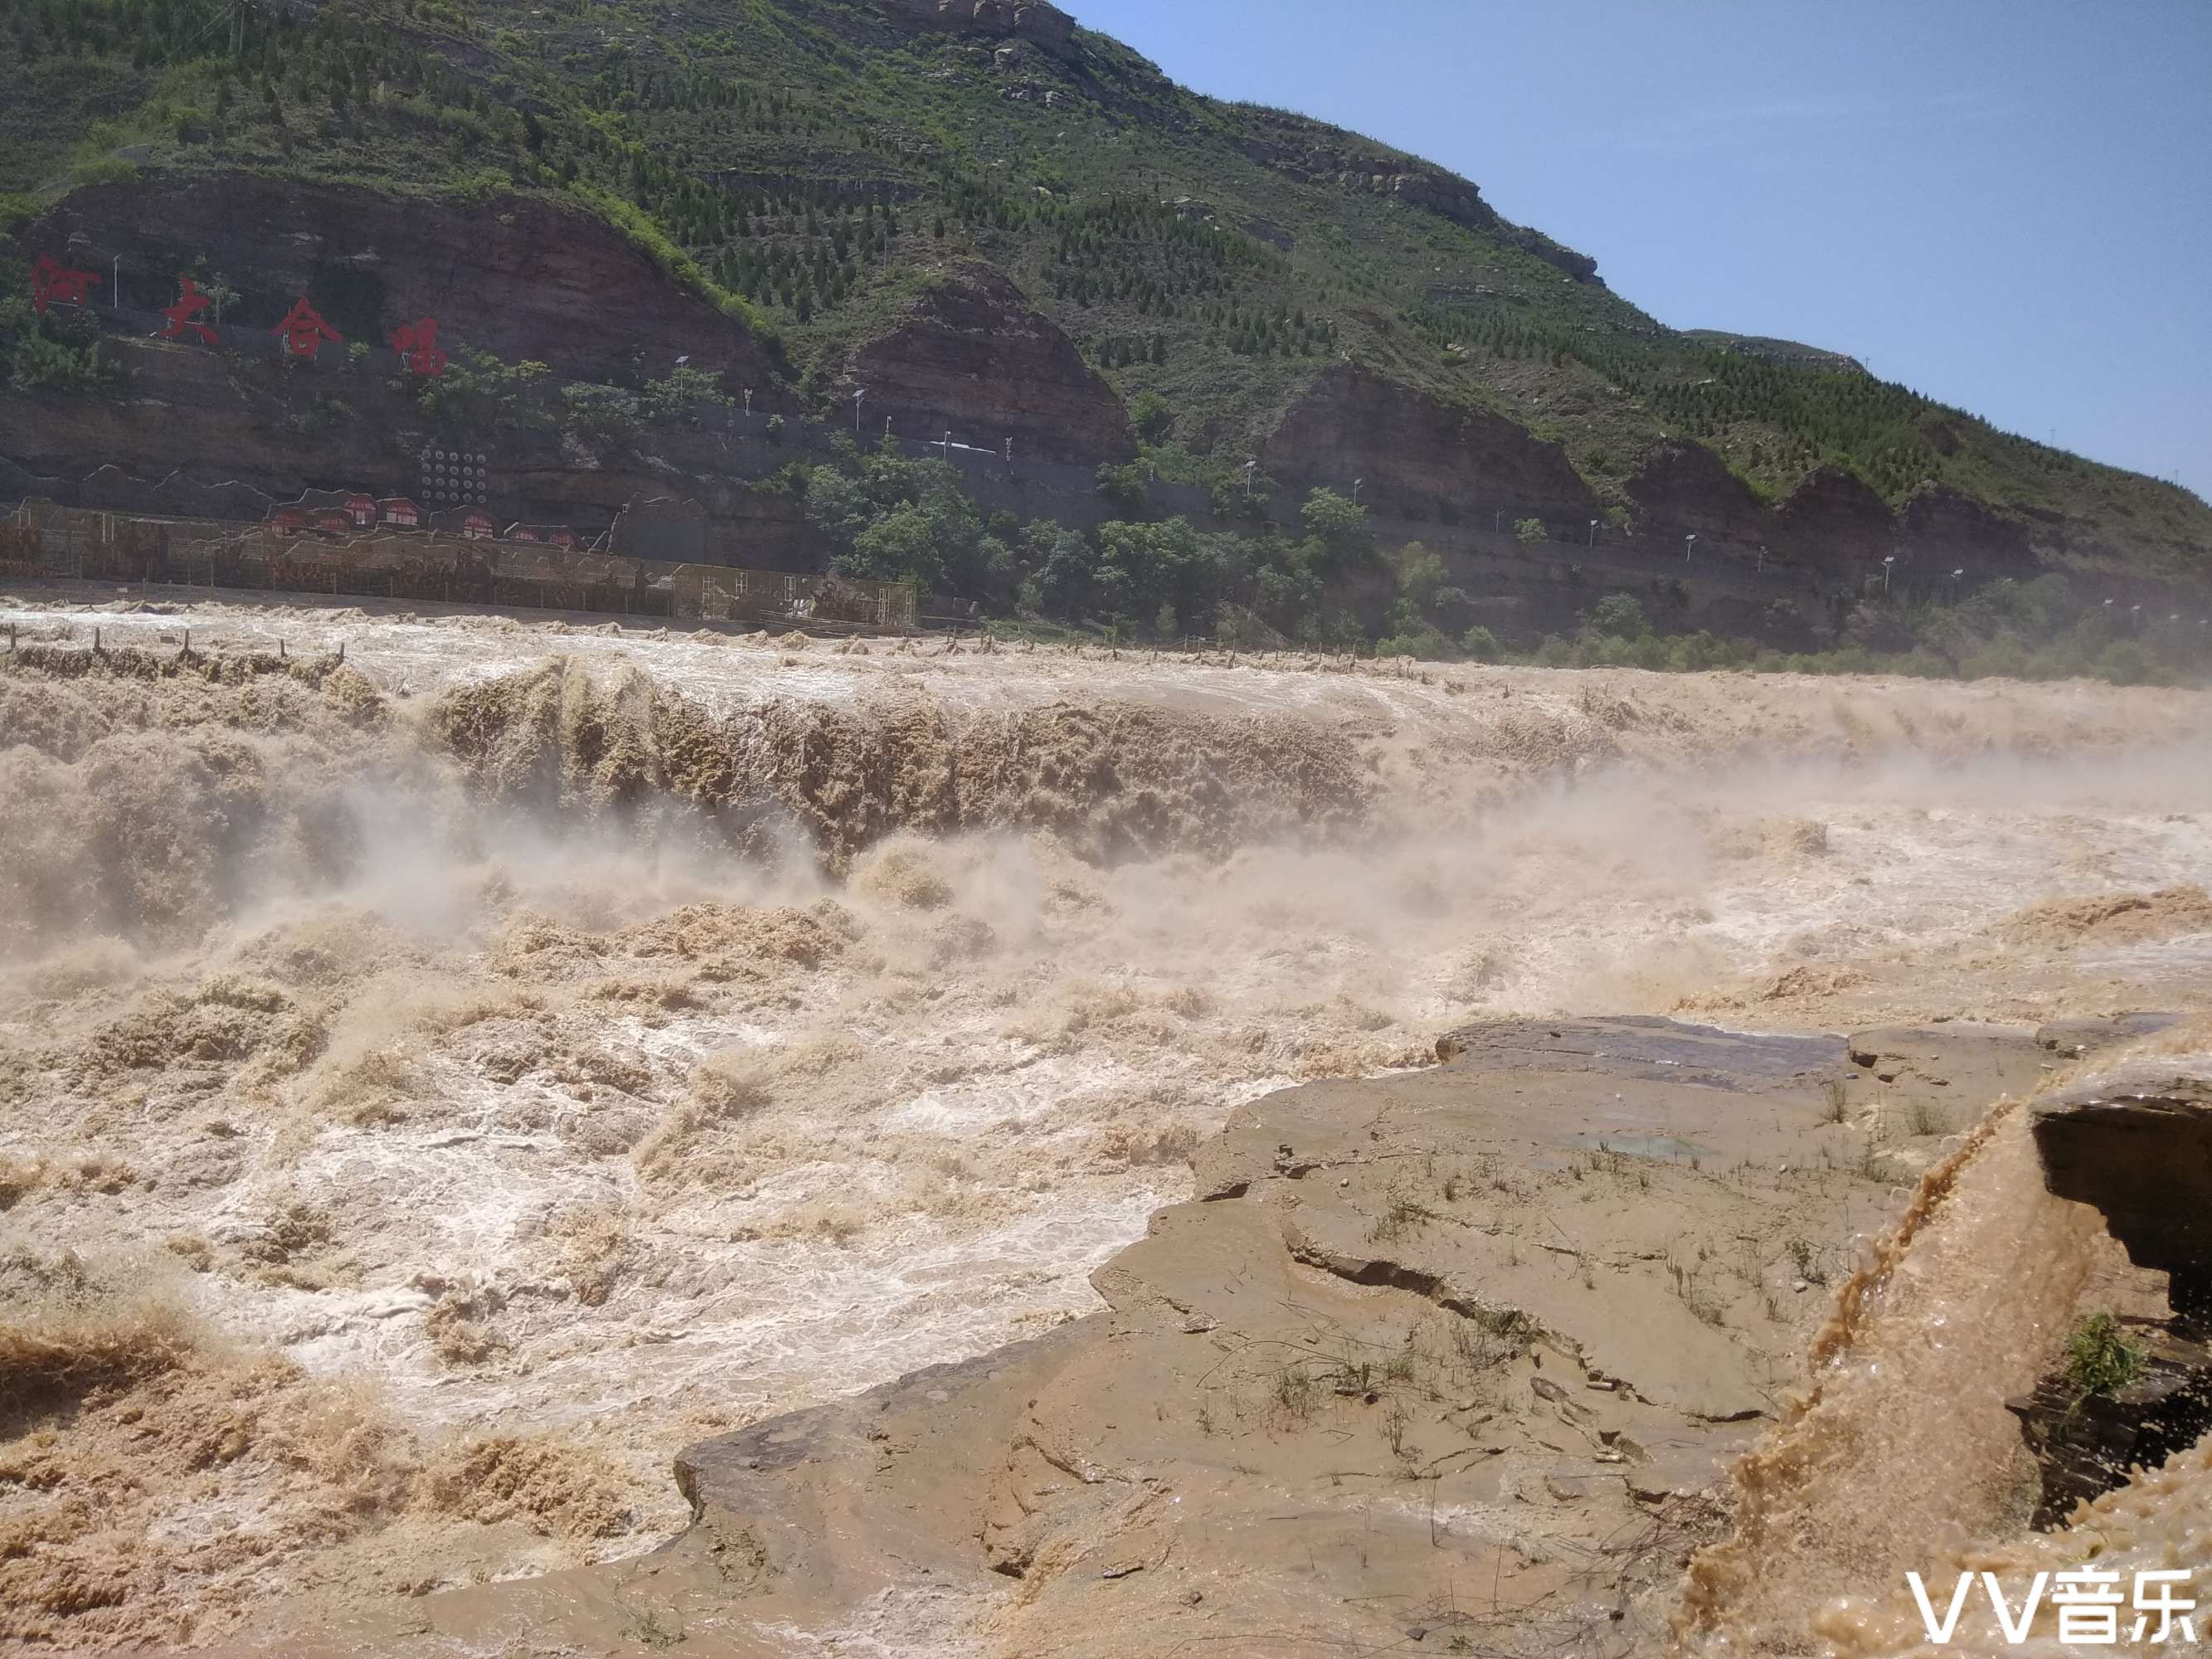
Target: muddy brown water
440, 1087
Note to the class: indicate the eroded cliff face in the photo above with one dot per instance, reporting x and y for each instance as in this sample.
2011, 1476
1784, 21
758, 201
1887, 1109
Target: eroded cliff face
1837, 512
524, 278
222, 434
974, 359
1686, 489
221, 431
1831, 522
1415, 453
1940, 519
203, 438
195, 437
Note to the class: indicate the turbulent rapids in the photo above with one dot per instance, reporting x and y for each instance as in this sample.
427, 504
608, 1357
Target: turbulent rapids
439, 1081
1866, 1480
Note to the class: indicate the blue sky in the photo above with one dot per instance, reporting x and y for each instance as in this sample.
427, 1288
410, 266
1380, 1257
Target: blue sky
2005, 206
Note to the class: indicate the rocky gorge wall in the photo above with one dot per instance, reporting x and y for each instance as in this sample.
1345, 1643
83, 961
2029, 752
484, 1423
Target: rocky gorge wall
1414, 452
973, 359
223, 432
523, 277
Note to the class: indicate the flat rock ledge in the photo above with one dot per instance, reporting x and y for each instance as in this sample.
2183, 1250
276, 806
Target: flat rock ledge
1453, 1355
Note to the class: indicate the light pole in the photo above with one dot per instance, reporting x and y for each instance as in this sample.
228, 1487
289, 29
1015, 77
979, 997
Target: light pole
115, 287
1593, 540
1250, 467
1955, 576
749, 403
945, 447
1689, 545
1358, 484
859, 392
1886, 565
1498, 524
1762, 560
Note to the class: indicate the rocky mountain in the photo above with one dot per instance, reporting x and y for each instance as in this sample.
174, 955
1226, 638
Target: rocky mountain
647, 233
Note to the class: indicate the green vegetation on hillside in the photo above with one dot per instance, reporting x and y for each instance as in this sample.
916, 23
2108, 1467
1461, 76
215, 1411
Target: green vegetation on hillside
2040, 629
1329, 586
899, 519
59, 351
807, 162
812, 166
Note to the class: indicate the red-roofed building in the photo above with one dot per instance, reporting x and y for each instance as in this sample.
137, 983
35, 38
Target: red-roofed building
522, 532
478, 526
562, 536
331, 520
287, 520
399, 512
361, 511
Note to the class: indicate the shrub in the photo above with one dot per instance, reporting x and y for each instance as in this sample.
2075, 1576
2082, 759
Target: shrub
44, 365
683, 393
1152, 415
1421, 642
2100, 1357
1620, 615
104, 170
1421, 576
1531, 532
600, 408
1124, 486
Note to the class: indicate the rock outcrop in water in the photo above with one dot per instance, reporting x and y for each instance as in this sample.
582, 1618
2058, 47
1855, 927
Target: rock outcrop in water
2137, 1143
1424, 1357
2134, 1140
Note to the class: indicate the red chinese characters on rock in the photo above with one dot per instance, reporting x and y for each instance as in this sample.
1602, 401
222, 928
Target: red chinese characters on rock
303, 330
190, 303
53, 280
417, 343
